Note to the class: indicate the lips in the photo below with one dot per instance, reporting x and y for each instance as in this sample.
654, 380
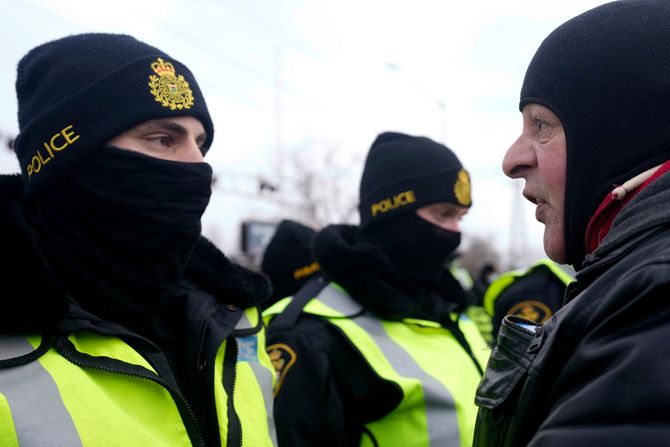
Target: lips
530, 197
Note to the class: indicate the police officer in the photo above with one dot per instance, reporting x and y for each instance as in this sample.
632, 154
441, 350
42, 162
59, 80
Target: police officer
595, 159
287, 259
535, 293
375, 351
121, 324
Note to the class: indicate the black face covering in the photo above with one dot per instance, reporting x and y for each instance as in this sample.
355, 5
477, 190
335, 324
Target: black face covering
119, 232
415, 246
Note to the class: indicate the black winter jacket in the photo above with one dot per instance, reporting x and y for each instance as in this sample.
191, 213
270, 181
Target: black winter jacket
32, 301
596, 374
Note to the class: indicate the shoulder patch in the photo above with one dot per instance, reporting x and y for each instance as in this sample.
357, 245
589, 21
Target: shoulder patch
532, 310
282, 357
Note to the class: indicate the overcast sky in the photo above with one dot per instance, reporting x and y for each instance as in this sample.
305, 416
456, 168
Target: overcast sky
285, 77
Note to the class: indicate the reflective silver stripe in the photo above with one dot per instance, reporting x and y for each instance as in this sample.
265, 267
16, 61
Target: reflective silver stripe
40, 417
12, 346
338, 300
264, 379
244, 322
441, 414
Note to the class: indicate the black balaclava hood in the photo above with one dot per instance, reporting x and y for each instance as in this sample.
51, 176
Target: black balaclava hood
606, 75
403, 173
120, 232
288, 260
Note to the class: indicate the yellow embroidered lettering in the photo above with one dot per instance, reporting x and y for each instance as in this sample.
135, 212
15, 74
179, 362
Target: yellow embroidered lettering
410, 196
70, 137
385, 205
57, 143
306, 270
52, 144
46, 146
35, 165
42, 160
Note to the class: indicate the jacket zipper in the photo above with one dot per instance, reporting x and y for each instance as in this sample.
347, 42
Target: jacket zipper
516, 325
198, 361
153, 378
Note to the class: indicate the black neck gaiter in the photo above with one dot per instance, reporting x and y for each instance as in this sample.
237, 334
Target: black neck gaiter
119, 233
415, 246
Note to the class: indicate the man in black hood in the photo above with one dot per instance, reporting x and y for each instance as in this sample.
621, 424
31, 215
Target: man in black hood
120, 324
375, 349
594, 153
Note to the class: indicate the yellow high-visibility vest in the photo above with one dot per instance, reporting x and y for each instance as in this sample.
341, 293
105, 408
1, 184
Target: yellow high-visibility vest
437, 376
100, 391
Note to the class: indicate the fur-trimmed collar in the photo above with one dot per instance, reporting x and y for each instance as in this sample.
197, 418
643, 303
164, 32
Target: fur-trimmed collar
33, 300
367, 275
231, 283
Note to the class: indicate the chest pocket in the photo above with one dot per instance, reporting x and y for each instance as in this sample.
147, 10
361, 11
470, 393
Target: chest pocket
507, 370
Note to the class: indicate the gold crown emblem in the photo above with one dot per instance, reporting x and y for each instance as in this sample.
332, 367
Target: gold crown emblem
462, 188
162, 68
170, 90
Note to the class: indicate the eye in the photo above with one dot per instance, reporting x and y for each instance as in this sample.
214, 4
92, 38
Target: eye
160, 140
540, 124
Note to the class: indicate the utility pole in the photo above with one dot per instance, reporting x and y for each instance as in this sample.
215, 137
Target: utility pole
279, 140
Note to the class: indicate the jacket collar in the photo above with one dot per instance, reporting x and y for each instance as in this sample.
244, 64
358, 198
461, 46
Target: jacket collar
648, 210
642, 219
365, 272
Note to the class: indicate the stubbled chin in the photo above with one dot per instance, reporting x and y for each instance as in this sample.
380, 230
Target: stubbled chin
554, 245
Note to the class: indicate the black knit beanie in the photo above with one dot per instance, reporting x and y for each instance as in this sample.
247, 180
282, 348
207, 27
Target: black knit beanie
606, 75
76, 93
288, 260
404, 172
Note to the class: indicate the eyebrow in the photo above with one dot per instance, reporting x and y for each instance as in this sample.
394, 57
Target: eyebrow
174, 127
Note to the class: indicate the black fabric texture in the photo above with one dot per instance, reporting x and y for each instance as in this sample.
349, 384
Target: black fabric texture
397, 163
33, 300
119, 233
99, 85
415, 246
605, 74
209, 269
288, 251
368, 275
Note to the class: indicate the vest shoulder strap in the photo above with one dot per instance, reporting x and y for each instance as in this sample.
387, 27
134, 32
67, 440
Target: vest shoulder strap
289, 316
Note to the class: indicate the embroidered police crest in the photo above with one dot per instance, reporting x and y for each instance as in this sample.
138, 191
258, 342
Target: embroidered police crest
531, 310
170, 90
282, 358
462, 188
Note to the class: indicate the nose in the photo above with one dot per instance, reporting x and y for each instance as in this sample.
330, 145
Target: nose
519, 158
452, 225
191, 152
